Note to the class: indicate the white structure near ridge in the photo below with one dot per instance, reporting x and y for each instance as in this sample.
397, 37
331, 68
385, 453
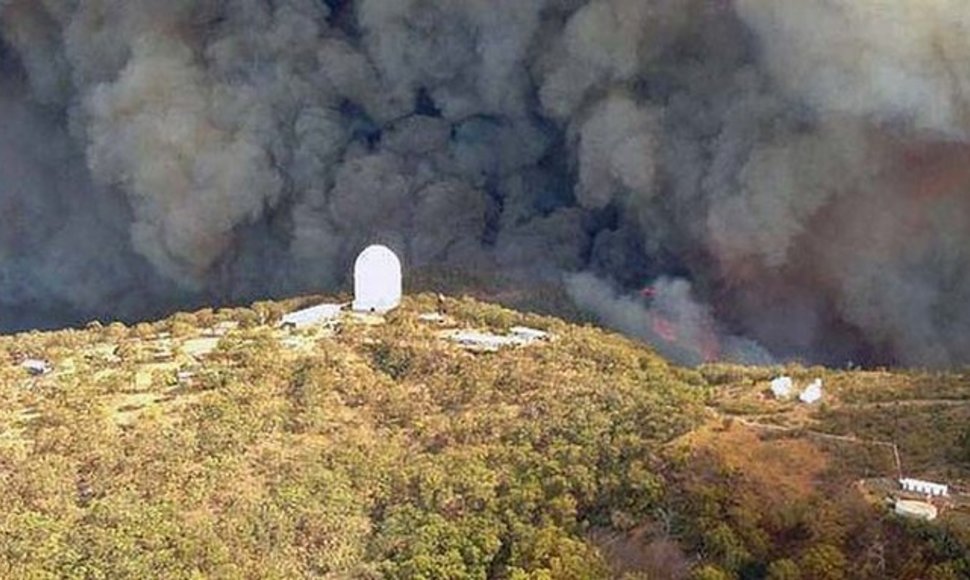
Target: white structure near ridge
488, 342
311, 316
812, 393
528, 335
36, 367
916, 509
782, 387
377, 280
483, 341
924, 487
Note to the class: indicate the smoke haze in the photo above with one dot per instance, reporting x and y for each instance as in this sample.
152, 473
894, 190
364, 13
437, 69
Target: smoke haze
788, 177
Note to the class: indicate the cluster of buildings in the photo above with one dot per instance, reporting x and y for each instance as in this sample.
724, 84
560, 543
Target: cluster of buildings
913, 498
378, 289
919, 509
783, 388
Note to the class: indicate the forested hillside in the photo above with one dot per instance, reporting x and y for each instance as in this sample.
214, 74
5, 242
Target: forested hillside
216, 445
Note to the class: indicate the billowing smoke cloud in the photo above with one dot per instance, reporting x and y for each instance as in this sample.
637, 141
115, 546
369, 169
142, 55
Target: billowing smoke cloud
898, 61
796, 173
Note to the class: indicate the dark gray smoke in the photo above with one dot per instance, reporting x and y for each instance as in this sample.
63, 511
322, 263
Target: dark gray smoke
797, 173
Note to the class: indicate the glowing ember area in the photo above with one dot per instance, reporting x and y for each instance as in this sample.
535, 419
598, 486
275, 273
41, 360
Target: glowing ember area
665, 329
705, 344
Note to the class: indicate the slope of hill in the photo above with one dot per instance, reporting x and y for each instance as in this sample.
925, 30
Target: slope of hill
214, 444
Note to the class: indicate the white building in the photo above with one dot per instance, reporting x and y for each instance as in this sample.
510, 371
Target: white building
812, 393
311, 316
782, 387
488, 342
482, 341
528, 335
916, 509
924, 487
36, 367
377, 280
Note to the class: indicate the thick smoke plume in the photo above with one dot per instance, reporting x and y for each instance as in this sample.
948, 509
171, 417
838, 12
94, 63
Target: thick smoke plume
796, 173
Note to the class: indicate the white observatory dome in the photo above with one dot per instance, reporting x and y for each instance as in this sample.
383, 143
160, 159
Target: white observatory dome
377, 280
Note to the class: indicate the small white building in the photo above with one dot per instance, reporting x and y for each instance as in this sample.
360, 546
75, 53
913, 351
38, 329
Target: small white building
782, 387
812, 393
488, 342
924, 487
377, 280
482, 341
311, 316
528, 335
916, 509
36, 367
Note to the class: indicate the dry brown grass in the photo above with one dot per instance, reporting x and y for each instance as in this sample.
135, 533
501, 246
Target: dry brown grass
782, 467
